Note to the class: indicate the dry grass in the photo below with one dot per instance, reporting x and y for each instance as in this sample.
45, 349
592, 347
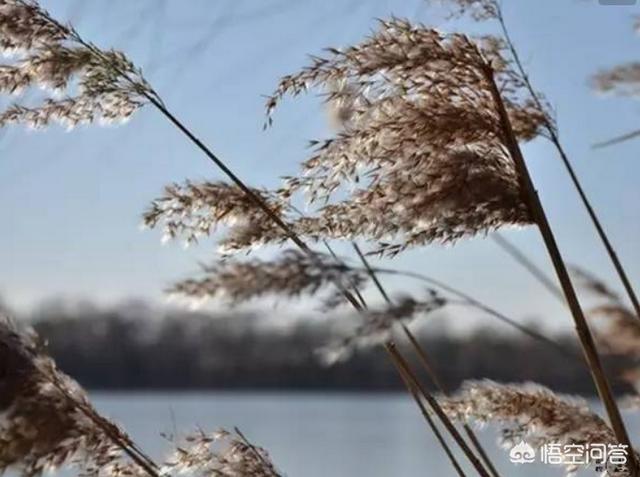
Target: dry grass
533, 414
427, 150
47, 423
85, 84
47, 420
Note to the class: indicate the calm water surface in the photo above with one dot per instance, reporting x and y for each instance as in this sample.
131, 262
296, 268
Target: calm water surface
311, 435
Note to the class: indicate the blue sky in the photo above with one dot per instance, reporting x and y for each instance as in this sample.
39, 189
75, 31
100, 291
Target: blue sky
71, 201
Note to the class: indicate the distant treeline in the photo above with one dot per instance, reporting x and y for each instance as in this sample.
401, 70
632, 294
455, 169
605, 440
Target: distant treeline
131, 348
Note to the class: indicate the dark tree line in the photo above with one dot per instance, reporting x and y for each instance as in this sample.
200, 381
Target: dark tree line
134, 348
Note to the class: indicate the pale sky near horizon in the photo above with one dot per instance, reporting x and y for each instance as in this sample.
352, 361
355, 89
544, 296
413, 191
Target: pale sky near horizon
71, 201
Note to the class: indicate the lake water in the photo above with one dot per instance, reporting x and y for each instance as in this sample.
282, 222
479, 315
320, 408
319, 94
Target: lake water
311, 435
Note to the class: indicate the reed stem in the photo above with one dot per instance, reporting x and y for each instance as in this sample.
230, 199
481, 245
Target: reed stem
539, 216
424, 360
426, 364
156, 101
555, 140
259, 202
123, 442
414, 393
437, 409
535, 271
483, 307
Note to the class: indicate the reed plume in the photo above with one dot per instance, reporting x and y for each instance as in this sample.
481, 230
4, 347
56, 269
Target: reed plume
147, 94
540, 217
47, 422
621, 80
194, 210
617, 327
536, 415
46, 419
82, 83
434, 130
431, 123
291, 274
421, 144
378, 326
220, 454
419, 130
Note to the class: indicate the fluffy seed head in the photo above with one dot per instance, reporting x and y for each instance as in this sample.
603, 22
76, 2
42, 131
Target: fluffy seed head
622, 80
46, 420
616, 326
193, 210
421, 156
221, 454
531, 413
479, 10
377, 326
89, 84
291, 274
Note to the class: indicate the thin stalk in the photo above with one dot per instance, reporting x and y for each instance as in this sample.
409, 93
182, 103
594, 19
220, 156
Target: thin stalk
405, 371
555, 140
540, 218
123, 442
156, 101
371, 272
426, 364
515, 253
483, 307
617, 140
354, 286
437, 409
255, 198
255, 451
399, 369
259, 202
425, 361
538, 213
154, 98
414, 393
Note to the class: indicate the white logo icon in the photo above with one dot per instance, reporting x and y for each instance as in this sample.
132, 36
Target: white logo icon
522, 453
